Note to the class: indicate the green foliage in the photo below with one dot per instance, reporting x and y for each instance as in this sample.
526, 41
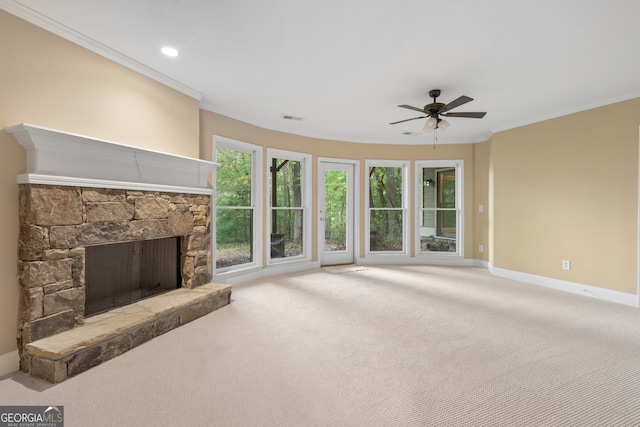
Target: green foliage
335, 208
233, 226
286, 200
385, 187
287, 180
233, 178
233, 197
385, 199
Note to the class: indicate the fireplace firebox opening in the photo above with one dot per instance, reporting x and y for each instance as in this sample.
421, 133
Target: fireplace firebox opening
119, 274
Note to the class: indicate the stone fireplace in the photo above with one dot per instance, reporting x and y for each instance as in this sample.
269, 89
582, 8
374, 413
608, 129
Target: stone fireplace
79, 193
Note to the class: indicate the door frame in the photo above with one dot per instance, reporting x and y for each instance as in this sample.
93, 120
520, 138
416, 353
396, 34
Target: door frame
355, 191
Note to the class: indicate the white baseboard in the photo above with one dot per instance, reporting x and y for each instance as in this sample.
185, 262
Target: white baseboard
564, 285
481, 263
9, 362
393, 259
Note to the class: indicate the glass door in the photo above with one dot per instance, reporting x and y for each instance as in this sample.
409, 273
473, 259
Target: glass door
336, 213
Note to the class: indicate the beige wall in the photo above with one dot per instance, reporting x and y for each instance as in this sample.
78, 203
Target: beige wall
47, 81
567, 188
481, 197
215, 124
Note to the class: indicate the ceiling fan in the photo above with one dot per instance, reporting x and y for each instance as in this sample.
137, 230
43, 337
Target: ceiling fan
436, 110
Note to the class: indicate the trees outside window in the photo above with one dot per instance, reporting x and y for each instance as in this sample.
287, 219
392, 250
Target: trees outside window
235, 208
289, 185
387, 206
335, 210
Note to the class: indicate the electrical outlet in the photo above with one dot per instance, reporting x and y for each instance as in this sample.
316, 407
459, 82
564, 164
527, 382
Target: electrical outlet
566, 264
481, 248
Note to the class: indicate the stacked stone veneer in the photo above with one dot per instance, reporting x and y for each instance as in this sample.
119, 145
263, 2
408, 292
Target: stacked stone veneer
58, 222
436, 244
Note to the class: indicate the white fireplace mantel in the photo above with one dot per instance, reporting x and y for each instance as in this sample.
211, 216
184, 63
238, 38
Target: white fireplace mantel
60, 158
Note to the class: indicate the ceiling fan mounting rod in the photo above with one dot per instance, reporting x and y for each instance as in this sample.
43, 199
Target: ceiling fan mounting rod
433, 108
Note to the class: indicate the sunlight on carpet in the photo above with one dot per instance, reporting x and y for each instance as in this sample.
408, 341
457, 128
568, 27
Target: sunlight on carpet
343, 269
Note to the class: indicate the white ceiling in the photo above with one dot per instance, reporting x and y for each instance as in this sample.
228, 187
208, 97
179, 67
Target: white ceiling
345, 65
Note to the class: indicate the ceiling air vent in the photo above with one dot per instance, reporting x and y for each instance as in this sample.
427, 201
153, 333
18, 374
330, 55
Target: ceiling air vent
287, 117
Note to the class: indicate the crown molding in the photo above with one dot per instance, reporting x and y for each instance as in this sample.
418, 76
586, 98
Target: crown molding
23, 12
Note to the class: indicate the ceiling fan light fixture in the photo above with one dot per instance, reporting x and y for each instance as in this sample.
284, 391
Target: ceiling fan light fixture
431, 124
443, 125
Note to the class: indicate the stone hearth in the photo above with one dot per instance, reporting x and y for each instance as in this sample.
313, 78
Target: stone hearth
79, 192
107, 335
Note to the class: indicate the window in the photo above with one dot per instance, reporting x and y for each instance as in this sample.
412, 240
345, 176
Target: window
387, 206
289, 184
237, 195
440, 215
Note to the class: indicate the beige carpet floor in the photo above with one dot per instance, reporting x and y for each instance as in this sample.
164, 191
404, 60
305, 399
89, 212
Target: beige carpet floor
370, 346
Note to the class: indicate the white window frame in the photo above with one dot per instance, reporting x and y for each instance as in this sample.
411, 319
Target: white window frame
257, 191
458, 165
404, 165
307, 237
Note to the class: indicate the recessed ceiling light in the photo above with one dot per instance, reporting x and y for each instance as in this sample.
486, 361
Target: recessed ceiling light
169, 51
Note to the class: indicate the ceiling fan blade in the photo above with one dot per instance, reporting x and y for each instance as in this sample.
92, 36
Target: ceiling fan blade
455, 103
474, 115
406, 120
412, 108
